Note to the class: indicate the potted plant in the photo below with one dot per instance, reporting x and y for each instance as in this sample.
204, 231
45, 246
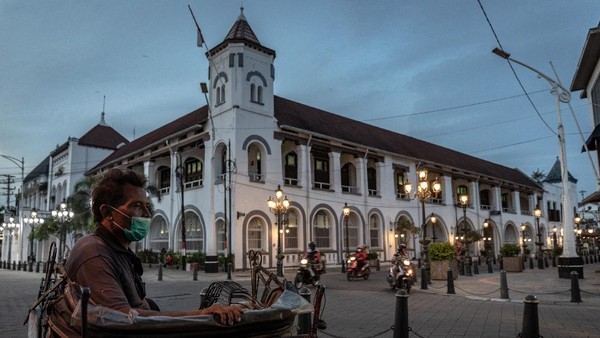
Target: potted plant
511, 262
373, 258
441, 255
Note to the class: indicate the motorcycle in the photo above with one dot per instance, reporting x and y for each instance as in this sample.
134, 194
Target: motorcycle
352, 270
303, 276
401, 274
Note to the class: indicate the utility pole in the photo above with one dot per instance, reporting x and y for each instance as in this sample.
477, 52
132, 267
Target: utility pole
8, 180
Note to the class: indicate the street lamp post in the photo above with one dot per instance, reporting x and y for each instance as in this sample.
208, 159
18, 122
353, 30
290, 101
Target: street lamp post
279, 206
554, 239
464, 203
346, 211
32, 221
523, 227
424, 191
538, 213
20, 163
433, 221
63, 216
569, 261
11, 226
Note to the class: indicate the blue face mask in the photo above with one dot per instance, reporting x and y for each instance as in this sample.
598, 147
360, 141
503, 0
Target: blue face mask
139, 227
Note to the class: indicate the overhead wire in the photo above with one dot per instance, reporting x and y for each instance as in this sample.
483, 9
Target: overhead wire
513, 70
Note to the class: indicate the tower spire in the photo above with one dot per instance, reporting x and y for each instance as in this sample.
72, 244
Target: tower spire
102, 121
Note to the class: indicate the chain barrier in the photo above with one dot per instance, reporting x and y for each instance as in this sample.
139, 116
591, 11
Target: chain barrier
441, 287
476, 294
372, 336
542, 292
413, 331
589, 293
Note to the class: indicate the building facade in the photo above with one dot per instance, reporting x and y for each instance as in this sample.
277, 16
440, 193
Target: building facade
218, 165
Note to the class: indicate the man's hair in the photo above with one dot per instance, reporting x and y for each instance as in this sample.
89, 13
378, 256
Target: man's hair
109, 189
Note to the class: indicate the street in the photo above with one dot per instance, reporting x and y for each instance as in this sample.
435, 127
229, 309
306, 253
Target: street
365, 308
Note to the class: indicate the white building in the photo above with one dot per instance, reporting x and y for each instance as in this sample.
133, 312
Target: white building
321, 161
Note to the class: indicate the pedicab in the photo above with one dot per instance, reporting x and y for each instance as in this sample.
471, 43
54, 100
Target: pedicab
272, 306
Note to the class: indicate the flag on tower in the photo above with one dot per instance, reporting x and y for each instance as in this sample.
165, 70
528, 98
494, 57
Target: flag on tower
200, 37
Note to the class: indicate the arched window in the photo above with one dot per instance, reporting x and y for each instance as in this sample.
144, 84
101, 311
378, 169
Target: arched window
322, 225
221, 236
461, 190
193, 173
254, 163
222, 94
372, 181
291, 231
259, 95
218, 96
374, 231
291, 169
256, 231
348, 174
352, 231
159, 233
194, 233
164, 179
252, 92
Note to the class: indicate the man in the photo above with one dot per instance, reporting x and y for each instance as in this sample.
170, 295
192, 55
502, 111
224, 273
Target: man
103, 260
314, 258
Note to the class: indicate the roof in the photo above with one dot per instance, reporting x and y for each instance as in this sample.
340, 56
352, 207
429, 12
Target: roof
313, 120
41, 169
198, 116
587, 61
241, 32
593, 198
555, 174
102, 136
592, 139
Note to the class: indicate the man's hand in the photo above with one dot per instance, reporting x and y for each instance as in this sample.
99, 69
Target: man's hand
226, 315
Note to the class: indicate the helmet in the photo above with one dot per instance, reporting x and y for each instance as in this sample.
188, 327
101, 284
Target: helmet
312, 245
359, 248
401, 247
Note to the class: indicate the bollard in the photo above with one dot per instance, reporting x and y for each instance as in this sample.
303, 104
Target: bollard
450, 278
575, 292
14, 265
203, 296
160, 272
553, 261
44, 267
37, 267
401, 315
490, 267
31, 266
531, 263
531, 326
423, 278
503, 285
545, 261
304, 319
501, 264
19, 266
476, 269
195, 273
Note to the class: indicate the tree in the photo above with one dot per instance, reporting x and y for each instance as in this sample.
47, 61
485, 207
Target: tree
538, 176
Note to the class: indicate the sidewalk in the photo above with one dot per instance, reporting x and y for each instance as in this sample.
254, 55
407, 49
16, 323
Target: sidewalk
542, 283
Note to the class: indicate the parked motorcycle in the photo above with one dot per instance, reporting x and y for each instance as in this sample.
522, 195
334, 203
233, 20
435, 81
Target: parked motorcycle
303, 276
353, 272
401, 274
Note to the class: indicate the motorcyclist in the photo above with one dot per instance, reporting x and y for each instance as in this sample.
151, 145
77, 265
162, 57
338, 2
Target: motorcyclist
399, 256
361, 256
314, 258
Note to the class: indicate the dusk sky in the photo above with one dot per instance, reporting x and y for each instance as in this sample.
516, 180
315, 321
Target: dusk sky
420, 68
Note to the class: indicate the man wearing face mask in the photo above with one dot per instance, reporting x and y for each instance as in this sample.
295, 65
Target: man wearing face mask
103, 260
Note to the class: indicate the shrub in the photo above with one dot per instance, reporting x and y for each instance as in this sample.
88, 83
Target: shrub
510, 250
440, 251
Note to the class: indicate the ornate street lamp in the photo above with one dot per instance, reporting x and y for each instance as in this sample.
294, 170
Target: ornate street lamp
32, 221
346, 211
11, 226
538, 213
554, 243
424, 191
433, 221
279, 206
523, 227
63, 216
464, 203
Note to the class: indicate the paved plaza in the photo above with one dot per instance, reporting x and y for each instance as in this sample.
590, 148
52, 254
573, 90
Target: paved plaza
367, 308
